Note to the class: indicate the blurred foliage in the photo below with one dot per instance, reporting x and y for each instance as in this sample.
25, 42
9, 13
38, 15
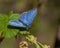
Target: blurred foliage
24, 32
34, 42
4, 30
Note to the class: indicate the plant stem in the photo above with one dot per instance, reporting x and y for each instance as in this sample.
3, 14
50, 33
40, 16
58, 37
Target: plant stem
37, 45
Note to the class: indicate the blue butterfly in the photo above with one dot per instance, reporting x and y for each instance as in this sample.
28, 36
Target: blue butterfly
25, 20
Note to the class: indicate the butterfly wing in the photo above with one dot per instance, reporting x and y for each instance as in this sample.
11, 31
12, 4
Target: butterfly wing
26, 18
16, 23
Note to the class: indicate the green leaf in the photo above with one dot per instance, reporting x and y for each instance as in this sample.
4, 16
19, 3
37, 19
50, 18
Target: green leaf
8, 32
14, 16
24, 32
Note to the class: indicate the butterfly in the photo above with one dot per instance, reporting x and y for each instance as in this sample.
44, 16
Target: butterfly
25, 19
